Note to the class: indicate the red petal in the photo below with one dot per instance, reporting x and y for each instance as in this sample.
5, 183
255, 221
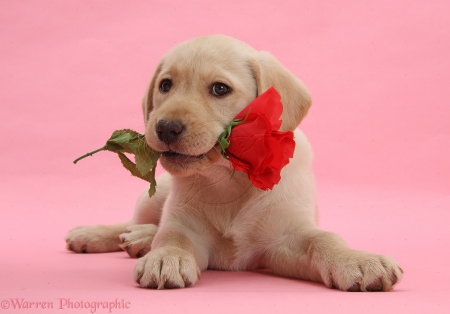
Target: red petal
287, 143
247, 142
252, 156
268, 104
266, 180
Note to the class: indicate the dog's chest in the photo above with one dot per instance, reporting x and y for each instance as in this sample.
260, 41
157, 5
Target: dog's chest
232, 240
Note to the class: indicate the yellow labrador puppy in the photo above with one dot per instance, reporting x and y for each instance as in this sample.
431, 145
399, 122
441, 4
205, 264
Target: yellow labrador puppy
201, 219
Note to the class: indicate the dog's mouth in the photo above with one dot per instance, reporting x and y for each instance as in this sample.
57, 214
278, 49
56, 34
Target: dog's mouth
182, 164
177, 157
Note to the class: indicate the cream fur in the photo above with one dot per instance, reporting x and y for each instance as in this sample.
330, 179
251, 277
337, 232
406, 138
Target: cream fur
207, 220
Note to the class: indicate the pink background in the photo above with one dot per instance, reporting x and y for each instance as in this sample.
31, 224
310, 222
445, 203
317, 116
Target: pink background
378, 71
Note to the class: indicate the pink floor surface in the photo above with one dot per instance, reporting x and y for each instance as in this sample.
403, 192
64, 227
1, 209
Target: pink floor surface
72, 72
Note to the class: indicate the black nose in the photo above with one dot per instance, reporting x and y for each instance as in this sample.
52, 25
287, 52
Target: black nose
169, 131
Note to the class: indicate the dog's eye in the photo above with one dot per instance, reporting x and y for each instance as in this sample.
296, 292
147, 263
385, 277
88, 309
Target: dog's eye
220, 89
165, 86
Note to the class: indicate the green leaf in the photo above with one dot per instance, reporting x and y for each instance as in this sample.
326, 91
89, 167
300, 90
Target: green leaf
131, 142
150, 176
145, 157
120, 141
130, 166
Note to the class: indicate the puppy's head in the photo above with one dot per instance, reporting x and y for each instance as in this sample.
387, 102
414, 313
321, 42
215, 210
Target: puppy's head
199, 87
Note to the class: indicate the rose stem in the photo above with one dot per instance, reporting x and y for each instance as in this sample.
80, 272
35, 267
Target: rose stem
89, 154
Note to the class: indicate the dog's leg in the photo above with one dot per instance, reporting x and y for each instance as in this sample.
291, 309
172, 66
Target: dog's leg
324, 256
135, 240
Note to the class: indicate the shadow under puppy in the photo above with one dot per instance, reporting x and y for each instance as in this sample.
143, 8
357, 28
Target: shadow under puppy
201, 219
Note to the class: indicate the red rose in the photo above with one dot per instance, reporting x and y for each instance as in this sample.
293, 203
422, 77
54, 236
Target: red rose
255, 144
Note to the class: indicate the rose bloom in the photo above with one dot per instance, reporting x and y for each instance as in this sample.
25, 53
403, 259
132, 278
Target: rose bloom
257, 147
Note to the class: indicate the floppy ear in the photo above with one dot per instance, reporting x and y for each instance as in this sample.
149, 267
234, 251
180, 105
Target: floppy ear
147, 102
296, 100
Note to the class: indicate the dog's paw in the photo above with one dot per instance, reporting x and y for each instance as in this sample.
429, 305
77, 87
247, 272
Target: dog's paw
137, 239
361, 271
166, 268
93, 239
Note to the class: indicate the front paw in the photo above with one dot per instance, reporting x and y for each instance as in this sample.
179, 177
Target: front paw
92, 239
354, 271
166, 268
137, 239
